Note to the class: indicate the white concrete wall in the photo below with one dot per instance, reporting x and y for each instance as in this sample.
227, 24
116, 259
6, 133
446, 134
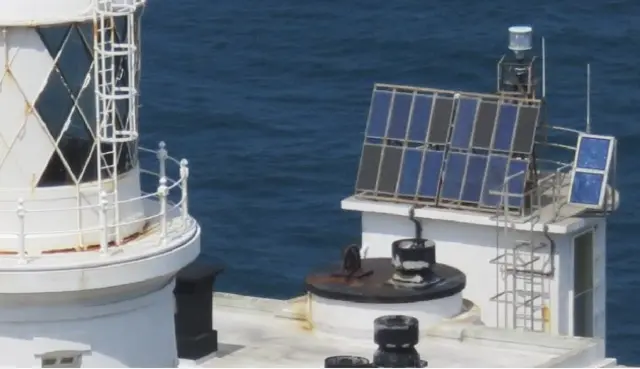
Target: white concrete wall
354, 320
470, 248
131, 333
118, 309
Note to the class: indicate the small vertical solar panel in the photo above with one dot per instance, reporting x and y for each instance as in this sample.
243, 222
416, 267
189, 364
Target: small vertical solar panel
485, 124
440, 120
379, 114
505, 127
420, 116
591, 170
587, 189
369, 165
399, 117
454, 176
594, 153
526, 125
389, 170
474, 177
410, 172
464, 122
431, 173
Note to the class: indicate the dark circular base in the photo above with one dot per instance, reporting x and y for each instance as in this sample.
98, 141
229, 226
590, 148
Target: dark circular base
374, 287
402, 358
346, 362
396, 331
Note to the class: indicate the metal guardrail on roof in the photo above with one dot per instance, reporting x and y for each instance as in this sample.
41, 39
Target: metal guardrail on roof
166, 186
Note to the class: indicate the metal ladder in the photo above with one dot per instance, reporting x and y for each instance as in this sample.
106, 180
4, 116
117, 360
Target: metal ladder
108, 91
520, 280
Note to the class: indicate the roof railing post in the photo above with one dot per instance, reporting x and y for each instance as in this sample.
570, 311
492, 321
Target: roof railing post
162, 159
162, 195
184, 176
104, 228
21, 212
505, 202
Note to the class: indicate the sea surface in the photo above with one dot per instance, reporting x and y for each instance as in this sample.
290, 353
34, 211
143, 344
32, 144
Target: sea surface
268, 100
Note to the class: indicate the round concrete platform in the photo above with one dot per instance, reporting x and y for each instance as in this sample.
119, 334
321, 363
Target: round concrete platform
371, 284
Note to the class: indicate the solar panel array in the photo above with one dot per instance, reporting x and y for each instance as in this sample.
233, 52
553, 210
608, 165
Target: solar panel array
591, 170
450, 148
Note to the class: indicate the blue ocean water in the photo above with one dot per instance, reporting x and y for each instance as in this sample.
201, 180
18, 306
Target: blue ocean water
268, 101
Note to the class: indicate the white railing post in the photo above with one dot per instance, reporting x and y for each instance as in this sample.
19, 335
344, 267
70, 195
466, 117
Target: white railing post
21, 241
162, 194
104, 240
184, 175
162, 159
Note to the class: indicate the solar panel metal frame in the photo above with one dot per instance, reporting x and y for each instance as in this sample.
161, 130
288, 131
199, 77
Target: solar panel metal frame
480, 204
604, 173
407, 144
425, 148
490, 151
417, 196
466, 152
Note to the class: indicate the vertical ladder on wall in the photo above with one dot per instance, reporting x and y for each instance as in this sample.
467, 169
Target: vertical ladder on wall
520, 279
108, 52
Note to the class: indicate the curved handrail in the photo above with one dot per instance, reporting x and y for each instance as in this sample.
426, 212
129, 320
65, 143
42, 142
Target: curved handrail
555, 178
166, 207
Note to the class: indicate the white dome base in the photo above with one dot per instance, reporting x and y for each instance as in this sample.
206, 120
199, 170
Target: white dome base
354, 320
103, 310
111, 335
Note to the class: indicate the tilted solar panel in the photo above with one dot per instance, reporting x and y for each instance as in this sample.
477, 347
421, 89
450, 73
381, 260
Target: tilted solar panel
447, 148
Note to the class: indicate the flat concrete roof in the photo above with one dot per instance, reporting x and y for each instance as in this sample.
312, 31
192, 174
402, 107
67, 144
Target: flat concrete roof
260, 332
555, 225
555, 212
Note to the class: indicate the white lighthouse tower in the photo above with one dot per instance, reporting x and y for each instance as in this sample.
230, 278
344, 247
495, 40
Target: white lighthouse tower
88, 258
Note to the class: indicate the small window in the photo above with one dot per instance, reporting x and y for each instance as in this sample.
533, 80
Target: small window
67, 361
48, 362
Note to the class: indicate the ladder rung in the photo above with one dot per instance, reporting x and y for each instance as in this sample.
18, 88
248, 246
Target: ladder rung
528, 317
540, 247
533, 280
528, 303
118, 93
534, 272
498, 260
527, 263
522, 243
